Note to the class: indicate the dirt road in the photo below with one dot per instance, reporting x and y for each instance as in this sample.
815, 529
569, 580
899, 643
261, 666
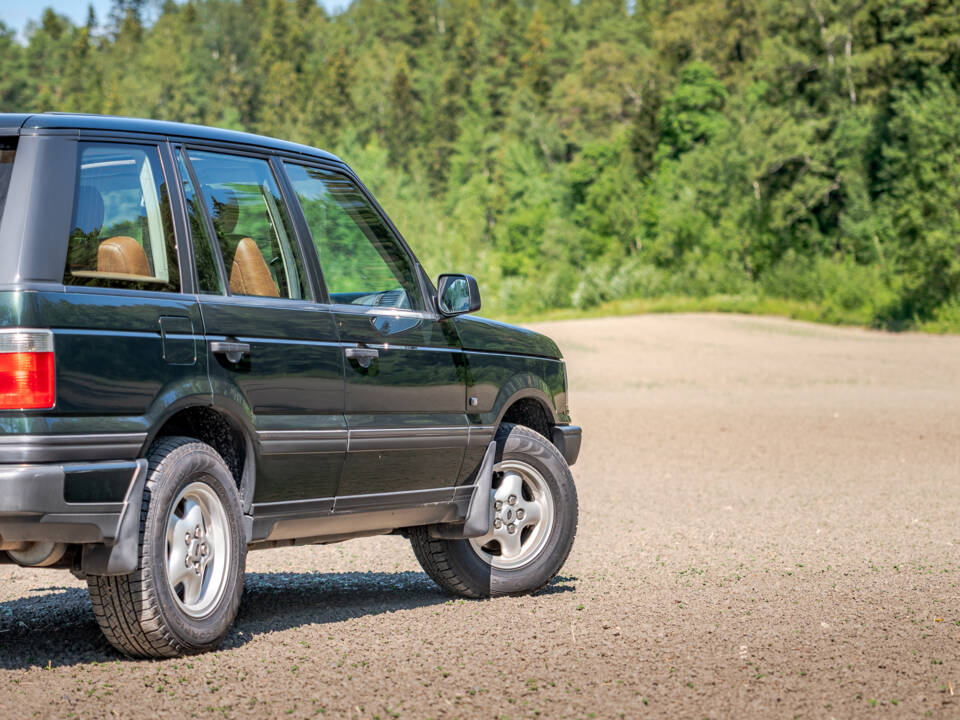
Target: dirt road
770, 527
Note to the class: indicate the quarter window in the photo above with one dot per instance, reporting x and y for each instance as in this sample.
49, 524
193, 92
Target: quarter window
121, 232
253, 230
363, 262
8, 150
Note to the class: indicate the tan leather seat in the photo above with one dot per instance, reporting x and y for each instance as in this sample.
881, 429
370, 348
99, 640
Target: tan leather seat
122, 255
250, 274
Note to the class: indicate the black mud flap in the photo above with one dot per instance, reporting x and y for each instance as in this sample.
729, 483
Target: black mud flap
120, 557
479, 517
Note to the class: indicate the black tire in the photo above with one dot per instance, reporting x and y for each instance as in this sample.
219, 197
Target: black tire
459, 569
139, 613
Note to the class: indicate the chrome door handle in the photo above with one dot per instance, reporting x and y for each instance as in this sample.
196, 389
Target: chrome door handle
363, 355
233, 350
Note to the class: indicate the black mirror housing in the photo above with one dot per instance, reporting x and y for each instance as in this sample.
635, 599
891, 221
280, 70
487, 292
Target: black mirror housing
457, 294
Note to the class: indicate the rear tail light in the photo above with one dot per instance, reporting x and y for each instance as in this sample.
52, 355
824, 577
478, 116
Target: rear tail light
27, 375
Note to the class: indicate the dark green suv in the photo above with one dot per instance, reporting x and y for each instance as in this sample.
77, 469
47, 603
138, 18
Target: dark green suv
212, 342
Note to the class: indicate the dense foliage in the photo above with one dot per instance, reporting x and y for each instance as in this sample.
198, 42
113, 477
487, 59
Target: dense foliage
571, 153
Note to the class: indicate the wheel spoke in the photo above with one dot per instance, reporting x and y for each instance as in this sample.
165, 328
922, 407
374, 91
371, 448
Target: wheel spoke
492, 535
192, 516
532, 513
175, 531
177, 569
512, 484
211, 551
192, 586
509, 545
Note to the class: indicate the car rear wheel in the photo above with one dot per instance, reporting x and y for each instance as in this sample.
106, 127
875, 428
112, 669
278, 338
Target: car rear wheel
535, 520
184, 594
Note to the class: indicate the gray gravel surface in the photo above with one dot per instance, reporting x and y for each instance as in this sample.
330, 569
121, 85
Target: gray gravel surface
770, 526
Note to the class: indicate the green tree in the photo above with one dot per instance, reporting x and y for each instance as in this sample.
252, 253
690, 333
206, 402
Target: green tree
920, 177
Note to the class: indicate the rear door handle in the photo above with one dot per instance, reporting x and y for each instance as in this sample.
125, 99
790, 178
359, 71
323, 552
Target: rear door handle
363, 355
233, 350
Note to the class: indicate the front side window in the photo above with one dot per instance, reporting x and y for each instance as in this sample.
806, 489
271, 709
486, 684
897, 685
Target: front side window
121, 234
253, 230
363, 262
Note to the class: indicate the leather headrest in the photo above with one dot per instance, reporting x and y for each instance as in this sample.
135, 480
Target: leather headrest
89, 210
122, 255
250, 274
226, 211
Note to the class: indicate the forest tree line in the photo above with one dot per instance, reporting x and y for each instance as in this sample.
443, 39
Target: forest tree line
574, 153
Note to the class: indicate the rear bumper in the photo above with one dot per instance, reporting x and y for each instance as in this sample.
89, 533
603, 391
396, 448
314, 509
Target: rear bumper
567, 440
93, 504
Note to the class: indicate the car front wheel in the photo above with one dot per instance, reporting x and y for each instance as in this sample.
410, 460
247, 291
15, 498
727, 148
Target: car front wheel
535, 520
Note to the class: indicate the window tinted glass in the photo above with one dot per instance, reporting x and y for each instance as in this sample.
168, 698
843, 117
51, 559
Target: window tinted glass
121, 233
362, 261
208, 275
253, 230
8, 150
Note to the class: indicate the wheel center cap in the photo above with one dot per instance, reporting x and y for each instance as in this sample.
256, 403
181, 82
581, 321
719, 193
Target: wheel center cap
508, 514
197, 552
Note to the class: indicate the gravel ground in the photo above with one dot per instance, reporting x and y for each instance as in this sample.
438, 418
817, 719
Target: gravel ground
768, 528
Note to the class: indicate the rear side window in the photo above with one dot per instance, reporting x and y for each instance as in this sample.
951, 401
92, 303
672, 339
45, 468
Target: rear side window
253, 229
121, 232
8, 149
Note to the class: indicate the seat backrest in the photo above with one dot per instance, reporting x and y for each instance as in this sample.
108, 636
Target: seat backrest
122, 255
250, 274
89, 211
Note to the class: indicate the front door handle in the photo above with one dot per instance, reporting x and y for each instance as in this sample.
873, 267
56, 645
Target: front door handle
233, 350
363, 355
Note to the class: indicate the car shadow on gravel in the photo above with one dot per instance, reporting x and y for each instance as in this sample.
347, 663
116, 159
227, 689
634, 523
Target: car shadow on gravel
57, 628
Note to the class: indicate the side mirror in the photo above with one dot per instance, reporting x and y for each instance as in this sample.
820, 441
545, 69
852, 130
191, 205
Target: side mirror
457, 294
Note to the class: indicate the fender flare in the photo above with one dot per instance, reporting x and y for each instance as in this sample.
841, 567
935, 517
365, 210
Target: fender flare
237, 414
520, 387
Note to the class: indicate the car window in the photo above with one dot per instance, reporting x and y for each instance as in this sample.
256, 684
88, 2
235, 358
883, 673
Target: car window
8, 151
363, 262
121, 234
208, 275
253, 229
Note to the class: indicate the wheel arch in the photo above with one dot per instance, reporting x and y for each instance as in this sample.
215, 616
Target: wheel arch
530, 407
221, 425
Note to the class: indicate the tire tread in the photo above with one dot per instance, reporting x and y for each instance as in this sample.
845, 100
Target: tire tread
433, 558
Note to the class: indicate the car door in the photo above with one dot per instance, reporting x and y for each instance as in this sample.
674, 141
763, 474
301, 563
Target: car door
271, 349
405, 389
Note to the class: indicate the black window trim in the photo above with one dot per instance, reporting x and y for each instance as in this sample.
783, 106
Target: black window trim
181, 226
158, 142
